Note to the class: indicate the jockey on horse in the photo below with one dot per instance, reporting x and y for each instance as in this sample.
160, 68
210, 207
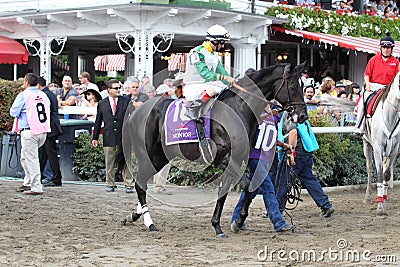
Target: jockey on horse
205, 77
379, 73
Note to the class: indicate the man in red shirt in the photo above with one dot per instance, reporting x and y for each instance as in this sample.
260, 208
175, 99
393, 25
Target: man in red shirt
379, 73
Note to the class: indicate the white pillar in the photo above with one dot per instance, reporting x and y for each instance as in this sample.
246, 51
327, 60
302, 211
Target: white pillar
45, 58
245, 57
258, 57
15, 72
143, 51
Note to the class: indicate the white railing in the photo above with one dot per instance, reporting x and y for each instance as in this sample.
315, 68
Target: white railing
77, 110
93, 111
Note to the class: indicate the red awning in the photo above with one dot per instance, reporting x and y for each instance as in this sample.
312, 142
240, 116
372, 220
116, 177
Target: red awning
12, 52
177, 62
362, 44
110, 63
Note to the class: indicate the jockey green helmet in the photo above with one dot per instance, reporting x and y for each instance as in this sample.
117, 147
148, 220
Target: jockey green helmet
217, 33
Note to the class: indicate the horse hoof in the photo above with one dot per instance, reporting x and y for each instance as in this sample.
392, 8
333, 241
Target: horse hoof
222, 235
153, 228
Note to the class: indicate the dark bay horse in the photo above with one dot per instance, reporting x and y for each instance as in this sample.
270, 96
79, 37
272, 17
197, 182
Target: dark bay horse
382, 139
233, 128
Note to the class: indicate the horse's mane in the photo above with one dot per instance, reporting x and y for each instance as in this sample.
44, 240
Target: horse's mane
387, 90
259, 75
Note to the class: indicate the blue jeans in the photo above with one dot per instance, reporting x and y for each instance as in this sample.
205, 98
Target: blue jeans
47, 173
303, 169
259, 168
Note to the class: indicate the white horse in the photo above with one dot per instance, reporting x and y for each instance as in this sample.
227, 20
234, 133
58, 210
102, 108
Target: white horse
382, 138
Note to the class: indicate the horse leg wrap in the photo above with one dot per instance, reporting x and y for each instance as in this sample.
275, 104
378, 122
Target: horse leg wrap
379, 187
385, 190
139, 208
380, 199
146, 216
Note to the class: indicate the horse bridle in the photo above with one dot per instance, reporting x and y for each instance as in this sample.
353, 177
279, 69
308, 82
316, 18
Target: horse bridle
289, 107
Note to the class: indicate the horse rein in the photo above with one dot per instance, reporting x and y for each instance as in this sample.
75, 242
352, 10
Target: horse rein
289, 107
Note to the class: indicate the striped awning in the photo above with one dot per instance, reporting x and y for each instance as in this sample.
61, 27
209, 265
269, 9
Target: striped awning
110, 63
177, 62
363, 44
58, 63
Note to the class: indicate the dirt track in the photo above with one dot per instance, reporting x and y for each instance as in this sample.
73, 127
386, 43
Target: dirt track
80, 225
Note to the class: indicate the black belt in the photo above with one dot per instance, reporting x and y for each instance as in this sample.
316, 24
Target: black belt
24, 129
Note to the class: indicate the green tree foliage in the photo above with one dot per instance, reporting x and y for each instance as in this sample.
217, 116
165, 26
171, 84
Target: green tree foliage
88, 161
8, 92
190, 173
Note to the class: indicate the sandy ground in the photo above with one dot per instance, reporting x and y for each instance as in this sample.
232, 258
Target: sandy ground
80, 225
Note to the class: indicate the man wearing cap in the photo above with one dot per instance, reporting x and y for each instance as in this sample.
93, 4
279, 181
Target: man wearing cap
379, 73
340, 87
178, 84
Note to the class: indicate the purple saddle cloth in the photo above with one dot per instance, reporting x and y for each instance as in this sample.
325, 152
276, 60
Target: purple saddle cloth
178, 127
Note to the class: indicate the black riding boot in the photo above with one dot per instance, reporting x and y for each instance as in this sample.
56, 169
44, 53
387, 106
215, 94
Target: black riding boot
193, 110
204, 145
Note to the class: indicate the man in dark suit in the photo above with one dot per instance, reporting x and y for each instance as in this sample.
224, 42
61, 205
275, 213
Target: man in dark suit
49, 150
111, 111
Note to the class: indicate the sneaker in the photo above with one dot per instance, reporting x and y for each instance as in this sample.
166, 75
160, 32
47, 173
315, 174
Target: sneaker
128, 190
265, 214
245, 228
327, 212
110, 189
287, 227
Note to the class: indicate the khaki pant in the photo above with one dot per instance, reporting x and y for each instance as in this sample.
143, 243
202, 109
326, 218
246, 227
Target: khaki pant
30, 144
110, 154
160, 178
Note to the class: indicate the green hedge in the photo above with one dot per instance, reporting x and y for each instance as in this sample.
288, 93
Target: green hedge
8, 92
88, 161
107, 78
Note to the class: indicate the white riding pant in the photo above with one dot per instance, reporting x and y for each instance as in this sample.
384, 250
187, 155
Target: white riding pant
360, 107
192, 91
